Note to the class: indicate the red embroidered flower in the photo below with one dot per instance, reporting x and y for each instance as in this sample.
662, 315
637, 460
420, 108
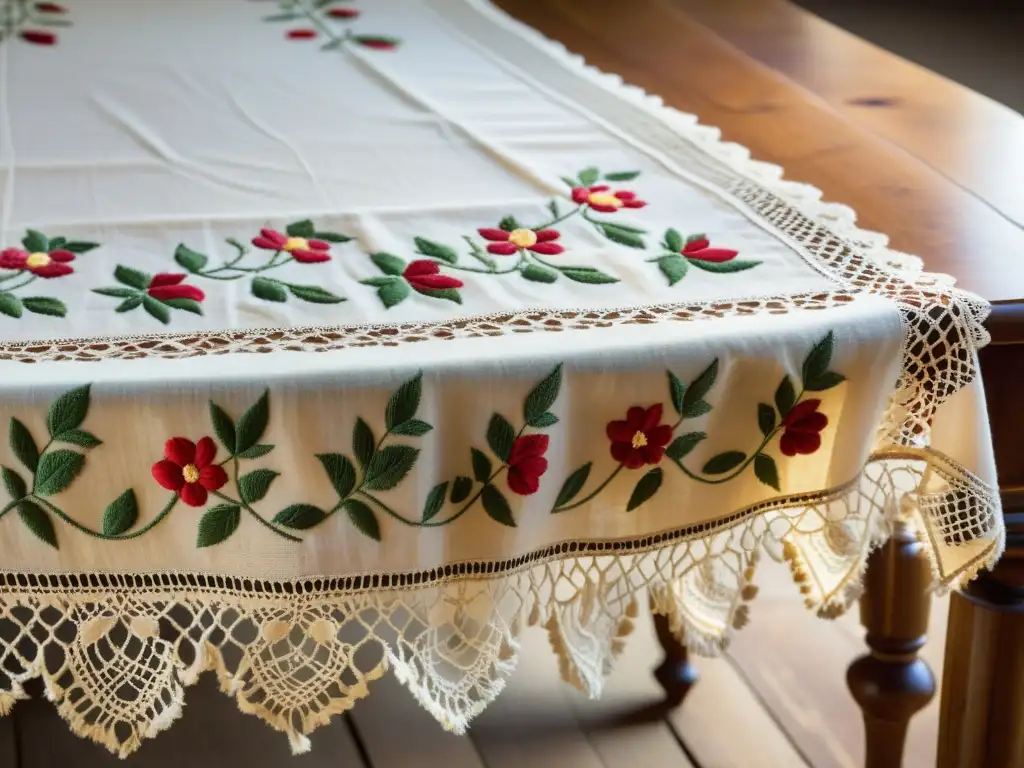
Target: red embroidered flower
701, 250
40, 263
641, 438
603, 200
526, 463
343, 13
304, 251
38, 37
507, 243
188, 469
377, 43
803, 425
50, 8
167, 285
301, 34
425, 275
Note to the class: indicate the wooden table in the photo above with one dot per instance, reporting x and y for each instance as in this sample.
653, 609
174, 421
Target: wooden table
938, 168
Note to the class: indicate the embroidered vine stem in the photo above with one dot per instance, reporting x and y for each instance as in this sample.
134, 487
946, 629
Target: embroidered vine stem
594, 493
99, 534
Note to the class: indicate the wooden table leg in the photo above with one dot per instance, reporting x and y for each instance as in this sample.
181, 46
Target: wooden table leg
675, 674
891, 683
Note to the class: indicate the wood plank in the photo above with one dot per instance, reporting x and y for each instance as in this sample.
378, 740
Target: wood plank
212, 731
654, 44
975, 141
419, 742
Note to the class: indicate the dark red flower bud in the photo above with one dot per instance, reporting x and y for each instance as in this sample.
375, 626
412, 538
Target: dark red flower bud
38, 37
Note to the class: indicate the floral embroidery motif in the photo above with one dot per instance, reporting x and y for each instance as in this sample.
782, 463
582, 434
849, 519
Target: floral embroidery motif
422, 276
301, 242
642, 440
41, 257
508, 243
323, 18
600, 198
189, 471
156, 294
22, 17
696, 251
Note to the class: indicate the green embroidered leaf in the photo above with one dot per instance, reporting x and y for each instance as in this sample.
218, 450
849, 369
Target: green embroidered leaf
412, 428
120, 293
621, 235
785, 396
765, 418
646, 487
268, 289
129, 304
121, 514
588, 275
36, 520
404, 403
223, 427
363, 518
218, 524
676, 389
57, 470
80, 438
389, 466
363, 443
332, 237
673, 241
10, 305
23, 445
131, 277
254, 485
695, 238
395, 292
496, 506
542, 396
191, 261
509, 223
302, 228
693, 399
35, 241
388, 263
44, 305
553, 207
189, 305
461, 488
80, 247
481, 465
572, 486
314, 294
673, 267
15, 486
435, 250
683, 444
157, 309
538, 274
253, 423
435, 501
827, 380
766, 471
58, 243
621, 176
588, 176
68, 411
723, 462
379, 282
570, 182
300, 516
341, 472
544, 420
500, 436
256, 451
448, 294
818, 360
723, 267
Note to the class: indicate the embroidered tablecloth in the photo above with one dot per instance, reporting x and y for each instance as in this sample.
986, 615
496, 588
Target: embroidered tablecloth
338, 337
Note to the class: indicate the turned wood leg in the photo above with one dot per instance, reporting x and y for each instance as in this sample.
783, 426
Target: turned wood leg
675, 674
891, 683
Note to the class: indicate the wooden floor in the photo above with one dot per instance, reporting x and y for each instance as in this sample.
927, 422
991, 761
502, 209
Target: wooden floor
778, 700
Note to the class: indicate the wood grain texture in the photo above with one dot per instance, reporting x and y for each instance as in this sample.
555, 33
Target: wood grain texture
656, 45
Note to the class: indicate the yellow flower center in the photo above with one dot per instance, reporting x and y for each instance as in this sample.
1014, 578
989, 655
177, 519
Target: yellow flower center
296, 244
38, 260
605, 198
191, 472
522, 238
639, 439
